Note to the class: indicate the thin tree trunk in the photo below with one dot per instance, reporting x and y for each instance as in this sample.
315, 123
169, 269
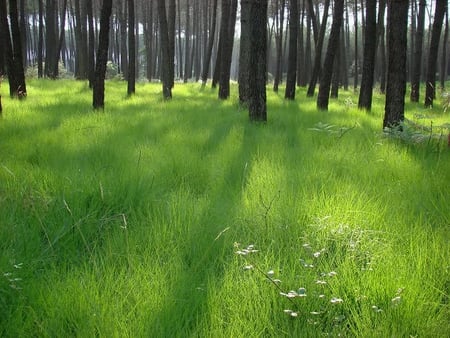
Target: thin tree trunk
318, 55
212, 33
131, 88
102, 56
415, 76
292, 60
365, 94
165, 62
333, 45
279, 43
441, 7
443, 71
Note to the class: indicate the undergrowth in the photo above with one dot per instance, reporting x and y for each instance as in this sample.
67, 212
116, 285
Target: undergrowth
181, 218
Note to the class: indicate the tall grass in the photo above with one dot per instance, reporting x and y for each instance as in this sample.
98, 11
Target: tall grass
126, 222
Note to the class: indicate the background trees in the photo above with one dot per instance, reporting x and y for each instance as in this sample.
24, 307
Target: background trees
59, 38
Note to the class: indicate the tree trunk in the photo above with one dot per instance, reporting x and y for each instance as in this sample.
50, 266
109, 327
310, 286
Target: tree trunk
131, 88
102, 56
300, 49
148, 38
61, 38
292, 60
258, 62
333, 45
171, 30
212, 33
441, 8
5, 36
245, 51
229, 8
443, 72
318, 52
187, 62
51, 40
396, 81
165, 62
91, 44
20, 89
415, 76
279, 42
370, 38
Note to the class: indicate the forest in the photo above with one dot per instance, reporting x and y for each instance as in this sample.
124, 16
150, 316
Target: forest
224, 168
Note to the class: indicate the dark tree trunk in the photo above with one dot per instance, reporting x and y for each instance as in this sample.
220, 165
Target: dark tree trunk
318, 53
131, 88
61, 37
20, 89
333, 45
102, 56
441, 7
343, 59
258, 62
300, 48
279, 18
314, 24
396, 81
292, 60
51, 40
40, 39
212, 33
443, 72
165, 62
171, 30
335, 80
91, 44
370, 38
415, 76
308, 59
216, 73
5, 36
180, 44
245, 50
229, 8
123, 39
148, 38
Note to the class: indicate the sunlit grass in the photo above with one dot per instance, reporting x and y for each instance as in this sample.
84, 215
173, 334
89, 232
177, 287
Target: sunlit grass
125, 222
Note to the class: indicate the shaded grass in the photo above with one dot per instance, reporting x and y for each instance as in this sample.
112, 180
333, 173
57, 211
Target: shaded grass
123, 222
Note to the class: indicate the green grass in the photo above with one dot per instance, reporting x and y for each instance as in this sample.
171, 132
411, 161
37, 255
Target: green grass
126, 223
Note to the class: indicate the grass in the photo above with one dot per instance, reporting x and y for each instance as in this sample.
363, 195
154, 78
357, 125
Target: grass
126, 223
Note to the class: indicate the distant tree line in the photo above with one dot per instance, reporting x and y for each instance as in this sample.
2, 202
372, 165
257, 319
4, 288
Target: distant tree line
332, 44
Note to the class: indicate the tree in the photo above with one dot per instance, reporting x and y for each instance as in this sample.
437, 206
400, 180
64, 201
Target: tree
245, 51
165, 62
102, 56
279, 19
396, 80
333, 45
258, 61
441, 8
131, 88
228, 21
292, 60
212, 33
51, 39
370, 38
415, 76
318, 53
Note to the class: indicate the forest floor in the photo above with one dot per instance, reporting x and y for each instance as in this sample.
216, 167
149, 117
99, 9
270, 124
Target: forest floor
183, 219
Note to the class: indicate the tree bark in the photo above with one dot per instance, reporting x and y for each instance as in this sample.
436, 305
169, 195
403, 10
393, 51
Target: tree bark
131, 87
333, 45
279, 18
245, 51
318, 53
417, 68
212, 33
396, 81
258, 61
370, 38
102, 56
441, 7
292, 60
20, 89
165, 62
51, 40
